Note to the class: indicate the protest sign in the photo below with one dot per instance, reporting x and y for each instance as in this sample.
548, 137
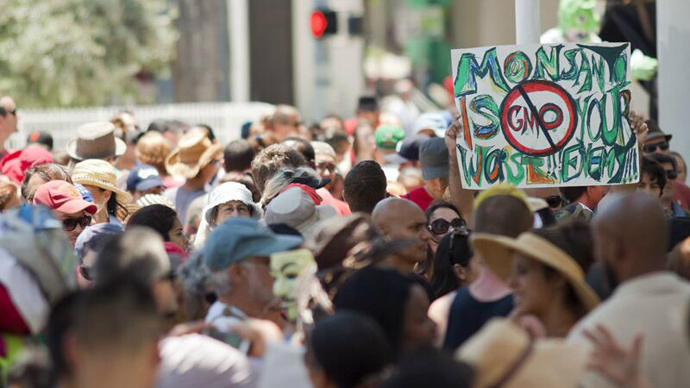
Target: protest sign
545, 115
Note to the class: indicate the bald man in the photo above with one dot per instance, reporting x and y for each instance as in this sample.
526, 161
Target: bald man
399, 219
647, 298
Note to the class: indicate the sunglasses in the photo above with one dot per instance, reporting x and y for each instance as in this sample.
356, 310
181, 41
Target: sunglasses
554, 201
4, 112
651, 148
69, 224
671, 174
441, 226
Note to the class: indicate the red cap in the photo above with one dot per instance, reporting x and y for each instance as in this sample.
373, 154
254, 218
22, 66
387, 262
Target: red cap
63, 197
15, 164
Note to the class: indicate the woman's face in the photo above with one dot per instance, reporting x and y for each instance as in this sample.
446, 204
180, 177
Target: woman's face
100, 196
418, 329
532, 293
177, 235
231, 209
438, 221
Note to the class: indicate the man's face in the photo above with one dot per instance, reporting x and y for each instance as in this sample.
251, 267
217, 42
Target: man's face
259, 283
412, 225
326, 169
437, 187
648, 186
291, 127
659, 145
73, 223
8, 122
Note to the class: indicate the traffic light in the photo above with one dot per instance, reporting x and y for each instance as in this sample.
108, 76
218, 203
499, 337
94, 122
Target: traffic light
323, 22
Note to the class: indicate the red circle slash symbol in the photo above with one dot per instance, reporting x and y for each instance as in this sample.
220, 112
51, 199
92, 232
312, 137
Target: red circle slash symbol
538, 118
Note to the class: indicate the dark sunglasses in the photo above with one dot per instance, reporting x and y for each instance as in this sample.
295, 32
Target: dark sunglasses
671, 174
441, 226
4, 112
69, 224
86, 272
651, 148
554, 201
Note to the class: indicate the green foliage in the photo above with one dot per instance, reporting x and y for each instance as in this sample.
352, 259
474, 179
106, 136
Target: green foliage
82, 52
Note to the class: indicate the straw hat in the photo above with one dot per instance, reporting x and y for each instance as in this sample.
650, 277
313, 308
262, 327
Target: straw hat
497, 252
504, 356
99, 173
96, 141
153, 149
194, 151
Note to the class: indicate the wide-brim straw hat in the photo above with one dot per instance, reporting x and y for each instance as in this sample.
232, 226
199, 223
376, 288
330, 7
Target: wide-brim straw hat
99, 173
497, 252
96, 141
194, 151
503, 355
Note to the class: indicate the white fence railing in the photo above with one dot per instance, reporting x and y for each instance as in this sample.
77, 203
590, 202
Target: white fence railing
225, 119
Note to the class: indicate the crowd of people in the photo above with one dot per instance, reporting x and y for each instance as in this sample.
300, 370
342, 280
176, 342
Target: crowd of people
341, 254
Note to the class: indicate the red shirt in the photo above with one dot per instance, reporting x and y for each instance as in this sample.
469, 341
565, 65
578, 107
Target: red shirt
340, 207
421, 197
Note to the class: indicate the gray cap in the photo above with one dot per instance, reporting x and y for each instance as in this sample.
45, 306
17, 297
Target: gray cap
433, 155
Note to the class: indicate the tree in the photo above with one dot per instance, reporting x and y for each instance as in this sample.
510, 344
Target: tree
82, 52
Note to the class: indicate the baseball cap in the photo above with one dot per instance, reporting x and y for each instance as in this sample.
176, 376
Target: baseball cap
433, 154
409, 148
323, 152
143, 177
388, 136
240, 238
63, 197
40, 137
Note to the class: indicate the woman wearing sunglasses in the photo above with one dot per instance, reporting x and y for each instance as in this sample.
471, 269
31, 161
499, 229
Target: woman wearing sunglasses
442, 218
67, 206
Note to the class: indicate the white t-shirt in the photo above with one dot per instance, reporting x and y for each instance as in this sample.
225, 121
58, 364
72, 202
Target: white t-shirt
195, 360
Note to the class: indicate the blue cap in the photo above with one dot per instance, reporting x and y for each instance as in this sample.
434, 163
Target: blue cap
143, 177
84, 192
240, 238
95, 232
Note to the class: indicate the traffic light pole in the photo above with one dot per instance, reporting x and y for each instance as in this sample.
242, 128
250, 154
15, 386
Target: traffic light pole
527, 22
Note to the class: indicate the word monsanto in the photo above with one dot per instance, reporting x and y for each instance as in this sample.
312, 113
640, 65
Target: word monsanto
545, 115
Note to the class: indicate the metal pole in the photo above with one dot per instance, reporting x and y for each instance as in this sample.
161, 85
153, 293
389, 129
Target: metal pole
238, 21
527, 22
673, 33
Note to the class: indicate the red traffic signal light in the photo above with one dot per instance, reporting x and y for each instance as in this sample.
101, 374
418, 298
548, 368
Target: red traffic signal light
323, 22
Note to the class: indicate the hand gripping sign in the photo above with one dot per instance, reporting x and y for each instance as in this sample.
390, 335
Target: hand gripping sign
545, 115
